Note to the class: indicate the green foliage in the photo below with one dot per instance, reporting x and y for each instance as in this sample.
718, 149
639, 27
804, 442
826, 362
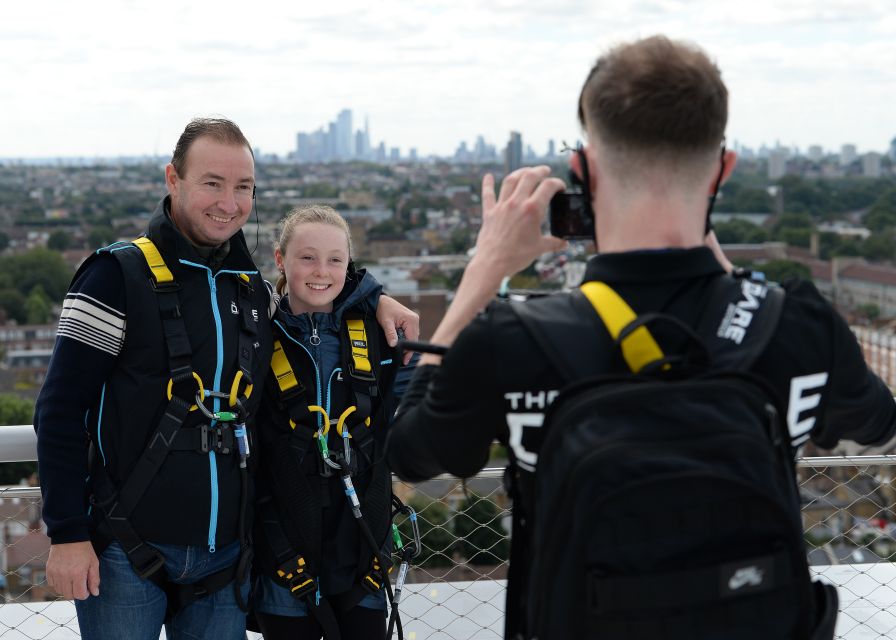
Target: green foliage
830, 197
482, 537
12, 302
833, 244
882, 214
385, 228
101, 236
783, 270
4, 241
59, 240
15, 410
435, 535
739, 232
38, 307
880, 246
320, 190
742, 199
869, 310
43, 267
797, 237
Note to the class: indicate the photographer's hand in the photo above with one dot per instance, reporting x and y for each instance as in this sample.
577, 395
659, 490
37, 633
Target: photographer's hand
509, 240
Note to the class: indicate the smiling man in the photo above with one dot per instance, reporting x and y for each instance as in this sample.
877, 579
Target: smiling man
145, 417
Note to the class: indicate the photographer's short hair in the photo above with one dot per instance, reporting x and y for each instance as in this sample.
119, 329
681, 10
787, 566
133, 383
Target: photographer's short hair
219, 129
659, 96
315, 213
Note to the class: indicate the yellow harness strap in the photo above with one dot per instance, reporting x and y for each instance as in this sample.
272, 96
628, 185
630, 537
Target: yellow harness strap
160, 272
638, 348
358, 337
286, 379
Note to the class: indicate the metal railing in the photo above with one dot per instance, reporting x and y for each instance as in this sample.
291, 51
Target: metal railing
456, 590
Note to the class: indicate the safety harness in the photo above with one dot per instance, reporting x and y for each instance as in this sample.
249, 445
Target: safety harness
297, 554
225, 434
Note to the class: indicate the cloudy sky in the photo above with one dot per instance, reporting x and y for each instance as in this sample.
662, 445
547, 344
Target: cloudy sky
122, 77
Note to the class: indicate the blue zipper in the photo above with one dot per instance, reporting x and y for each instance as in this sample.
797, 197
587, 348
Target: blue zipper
316, 369
216, 402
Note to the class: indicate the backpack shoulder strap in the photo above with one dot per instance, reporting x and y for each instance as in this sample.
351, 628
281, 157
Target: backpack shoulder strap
557, 326
638, 347
562, 331
740, 320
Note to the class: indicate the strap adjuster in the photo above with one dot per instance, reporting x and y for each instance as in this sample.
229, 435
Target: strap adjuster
297, 580
218, 438
374, 579
155, 563
365, 376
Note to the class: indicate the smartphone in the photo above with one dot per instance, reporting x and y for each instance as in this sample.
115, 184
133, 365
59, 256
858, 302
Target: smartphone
570, 216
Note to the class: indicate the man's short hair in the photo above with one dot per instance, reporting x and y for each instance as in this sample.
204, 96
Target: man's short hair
656, 95
219, 129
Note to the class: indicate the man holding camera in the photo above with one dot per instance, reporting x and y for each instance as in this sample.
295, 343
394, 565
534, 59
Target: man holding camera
654, 112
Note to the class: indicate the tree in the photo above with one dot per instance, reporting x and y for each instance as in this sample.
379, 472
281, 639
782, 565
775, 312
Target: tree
101, 236
12, 302
38, 266
38, 307
882, 214
739, 232
59, 240
482, 537
782, 270
14, 410
879, 246
869, 310
4, 241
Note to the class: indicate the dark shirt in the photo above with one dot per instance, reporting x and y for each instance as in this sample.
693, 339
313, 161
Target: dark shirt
495, 383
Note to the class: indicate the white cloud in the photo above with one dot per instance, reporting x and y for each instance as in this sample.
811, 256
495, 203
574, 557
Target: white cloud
123, 77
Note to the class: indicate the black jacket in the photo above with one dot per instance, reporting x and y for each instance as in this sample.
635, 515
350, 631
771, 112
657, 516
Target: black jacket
194, 498
495, 383
327, 536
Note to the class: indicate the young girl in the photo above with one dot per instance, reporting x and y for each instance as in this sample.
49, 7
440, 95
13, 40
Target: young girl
324, 492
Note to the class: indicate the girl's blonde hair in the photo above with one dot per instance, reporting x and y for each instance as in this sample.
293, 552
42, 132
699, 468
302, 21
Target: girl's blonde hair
315, 213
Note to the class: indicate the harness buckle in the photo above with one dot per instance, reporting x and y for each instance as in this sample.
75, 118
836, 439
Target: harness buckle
155, 563
364, 376
218, 438
374, 579
295, 578
165, 287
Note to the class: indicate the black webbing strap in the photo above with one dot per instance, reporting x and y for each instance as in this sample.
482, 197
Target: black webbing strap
690, 588
248, 328
292, 571
154, 455
203, 438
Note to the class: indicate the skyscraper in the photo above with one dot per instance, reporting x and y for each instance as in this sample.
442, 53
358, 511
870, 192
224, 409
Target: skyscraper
513, 154
344, 132
848, 155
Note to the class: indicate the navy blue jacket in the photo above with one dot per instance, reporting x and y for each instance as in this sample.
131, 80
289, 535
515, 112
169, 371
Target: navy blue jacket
107, 382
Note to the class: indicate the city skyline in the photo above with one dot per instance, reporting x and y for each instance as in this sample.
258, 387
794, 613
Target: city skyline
428, 75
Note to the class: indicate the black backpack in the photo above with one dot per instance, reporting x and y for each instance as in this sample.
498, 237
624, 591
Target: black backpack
665, 503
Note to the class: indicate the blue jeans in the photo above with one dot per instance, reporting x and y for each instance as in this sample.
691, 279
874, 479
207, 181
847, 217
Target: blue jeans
129, 607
